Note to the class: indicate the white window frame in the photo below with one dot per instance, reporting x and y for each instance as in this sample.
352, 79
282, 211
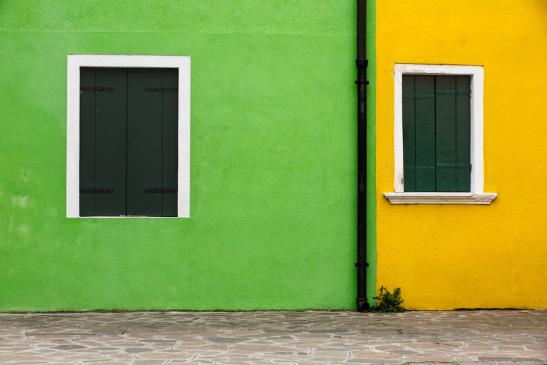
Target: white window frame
74, 63
477, 194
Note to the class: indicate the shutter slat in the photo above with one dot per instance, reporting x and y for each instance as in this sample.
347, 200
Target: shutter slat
87, 141
170, 142
424, 87
463, 133
445, 116
409, 134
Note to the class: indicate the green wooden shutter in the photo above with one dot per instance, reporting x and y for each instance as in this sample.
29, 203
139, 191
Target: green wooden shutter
424, 103
445, 109
128, 142
87, 142
463, 133
144, 143
103, 109
409, 133
436, 133
170, 141
152, 142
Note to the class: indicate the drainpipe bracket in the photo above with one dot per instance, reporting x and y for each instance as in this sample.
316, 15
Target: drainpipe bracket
361, 264
361, 62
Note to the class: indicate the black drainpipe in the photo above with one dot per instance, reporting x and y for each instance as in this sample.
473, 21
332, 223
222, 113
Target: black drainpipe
361, 82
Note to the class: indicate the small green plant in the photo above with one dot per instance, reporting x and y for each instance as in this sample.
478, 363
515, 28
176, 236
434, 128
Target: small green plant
387, 301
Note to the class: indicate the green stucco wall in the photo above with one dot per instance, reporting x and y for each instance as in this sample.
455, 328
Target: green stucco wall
273, 159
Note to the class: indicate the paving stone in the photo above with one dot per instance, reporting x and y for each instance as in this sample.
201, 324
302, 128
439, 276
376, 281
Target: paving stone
148, 362
370, 355
509, 359
166, 356
136, 350
298, 338
69, 347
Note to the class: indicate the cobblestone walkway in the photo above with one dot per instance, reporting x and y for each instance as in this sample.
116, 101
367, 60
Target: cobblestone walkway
274, 338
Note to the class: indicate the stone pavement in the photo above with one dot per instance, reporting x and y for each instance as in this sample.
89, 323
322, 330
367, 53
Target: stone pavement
496, 337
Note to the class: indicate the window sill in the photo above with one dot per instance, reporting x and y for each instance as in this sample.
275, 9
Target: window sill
123, 217
441, 198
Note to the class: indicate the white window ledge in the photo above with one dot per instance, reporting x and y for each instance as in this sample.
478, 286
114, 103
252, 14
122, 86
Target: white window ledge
440, 198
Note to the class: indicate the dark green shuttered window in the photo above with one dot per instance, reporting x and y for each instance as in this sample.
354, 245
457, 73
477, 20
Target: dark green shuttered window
128, 142
436, 133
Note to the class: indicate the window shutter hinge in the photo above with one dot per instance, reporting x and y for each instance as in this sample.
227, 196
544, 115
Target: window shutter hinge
96, 190
160, 190
162, 89
96, 88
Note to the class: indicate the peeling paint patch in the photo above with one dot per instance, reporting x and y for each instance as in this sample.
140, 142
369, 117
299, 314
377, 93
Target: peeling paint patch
23, 229
25, 175
20, 201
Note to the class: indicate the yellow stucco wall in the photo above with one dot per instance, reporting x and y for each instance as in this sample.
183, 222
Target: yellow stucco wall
493, 256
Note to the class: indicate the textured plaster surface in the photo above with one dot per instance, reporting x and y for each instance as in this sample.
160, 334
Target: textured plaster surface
491, 256
273, 159
485, 337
